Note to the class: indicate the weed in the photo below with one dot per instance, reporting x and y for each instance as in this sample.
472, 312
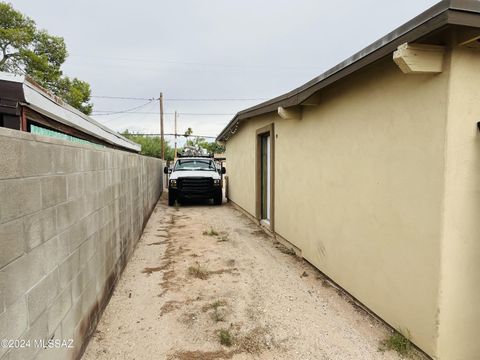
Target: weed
150, 270
254, 341
212, 232
326, 283
284, 249
231, 262
225, 337
218, 304
398, 343
223, 238
198, 272
217, 315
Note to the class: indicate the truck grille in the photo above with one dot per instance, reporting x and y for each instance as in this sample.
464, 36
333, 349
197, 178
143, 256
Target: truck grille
195, 185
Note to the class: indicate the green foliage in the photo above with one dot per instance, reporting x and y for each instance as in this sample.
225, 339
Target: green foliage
225, 337
198, 271
75, 92
211, 147
26, 49
212, 232
151, 146
397, 342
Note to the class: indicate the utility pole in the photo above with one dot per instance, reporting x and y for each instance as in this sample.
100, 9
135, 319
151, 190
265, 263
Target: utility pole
175, 153
162, 137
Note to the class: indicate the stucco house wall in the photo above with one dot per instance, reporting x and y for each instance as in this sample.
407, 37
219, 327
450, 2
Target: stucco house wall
378, 187
459, 311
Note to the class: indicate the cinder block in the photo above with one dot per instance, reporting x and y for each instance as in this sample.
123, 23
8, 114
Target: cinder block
77, 234
93, 160
71, 320
69, 268
90, 182
69, 213
79, 283
90, 202
40, 227
13, 322
2, 297
21, 274
19, 198
108, 157
37, 158
41, 295
54, 191
75, 186
99, 160
10, 164
87, 249
92, 223
67, 160
12, 242
37, 331
55, 252
88, 297
60, 307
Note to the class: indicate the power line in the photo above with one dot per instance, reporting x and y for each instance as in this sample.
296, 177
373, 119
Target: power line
121, 97
218, 99
130, 110
176, 99
106, 113
179, 135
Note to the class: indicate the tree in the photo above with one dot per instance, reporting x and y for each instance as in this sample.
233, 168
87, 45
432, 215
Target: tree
211, 147
25, 49
151, 146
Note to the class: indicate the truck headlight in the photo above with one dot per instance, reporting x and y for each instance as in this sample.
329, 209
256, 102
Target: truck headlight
173, 183
216, 182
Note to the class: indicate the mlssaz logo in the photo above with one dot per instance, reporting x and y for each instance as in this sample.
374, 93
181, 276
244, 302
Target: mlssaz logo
54, 343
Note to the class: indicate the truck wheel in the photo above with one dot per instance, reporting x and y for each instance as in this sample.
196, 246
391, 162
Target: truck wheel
171, 198
217, 199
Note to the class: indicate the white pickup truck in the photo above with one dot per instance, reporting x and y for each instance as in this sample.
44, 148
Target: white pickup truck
195, 178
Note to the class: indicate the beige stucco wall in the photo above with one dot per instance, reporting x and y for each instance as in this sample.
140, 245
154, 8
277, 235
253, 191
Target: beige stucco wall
240, 154
359, 185
459, 313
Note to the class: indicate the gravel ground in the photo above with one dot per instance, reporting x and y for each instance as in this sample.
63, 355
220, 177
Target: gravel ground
185, 287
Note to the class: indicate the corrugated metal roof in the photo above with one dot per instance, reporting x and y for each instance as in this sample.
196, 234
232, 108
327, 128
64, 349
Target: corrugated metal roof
445, 13
55, 108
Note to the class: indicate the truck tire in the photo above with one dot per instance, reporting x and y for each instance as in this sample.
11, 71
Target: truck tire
171, 198
217, 199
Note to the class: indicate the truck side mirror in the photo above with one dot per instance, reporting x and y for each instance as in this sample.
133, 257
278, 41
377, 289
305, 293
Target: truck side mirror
166, 170
224, 171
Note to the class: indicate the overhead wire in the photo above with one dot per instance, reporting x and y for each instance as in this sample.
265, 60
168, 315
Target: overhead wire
175, 99
130, 110
105, 113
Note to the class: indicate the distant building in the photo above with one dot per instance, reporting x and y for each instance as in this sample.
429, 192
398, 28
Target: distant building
371, 172
26, 106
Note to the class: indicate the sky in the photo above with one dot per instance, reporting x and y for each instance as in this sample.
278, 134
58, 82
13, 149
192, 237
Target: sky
226, 55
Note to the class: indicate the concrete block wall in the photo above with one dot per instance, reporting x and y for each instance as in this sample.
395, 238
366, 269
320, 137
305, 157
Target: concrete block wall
70, 216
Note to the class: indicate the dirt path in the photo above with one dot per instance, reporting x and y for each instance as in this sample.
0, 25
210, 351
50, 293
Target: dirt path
184, 289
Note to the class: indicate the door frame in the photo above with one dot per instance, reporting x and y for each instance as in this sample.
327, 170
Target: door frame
266, 130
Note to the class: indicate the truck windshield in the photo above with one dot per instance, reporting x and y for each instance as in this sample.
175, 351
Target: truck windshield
190, 164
